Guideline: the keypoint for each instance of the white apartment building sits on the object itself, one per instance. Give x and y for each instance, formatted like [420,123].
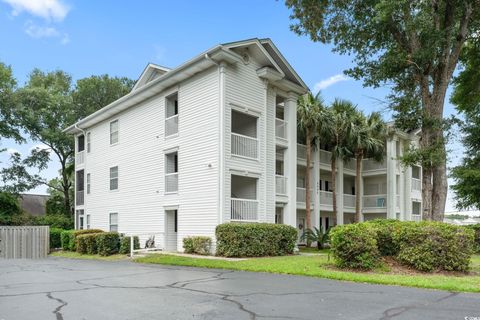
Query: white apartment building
[215,140]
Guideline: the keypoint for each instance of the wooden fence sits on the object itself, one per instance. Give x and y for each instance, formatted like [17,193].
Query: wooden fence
[24,242]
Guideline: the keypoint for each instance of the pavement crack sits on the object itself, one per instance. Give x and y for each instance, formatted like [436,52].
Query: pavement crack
[57,312]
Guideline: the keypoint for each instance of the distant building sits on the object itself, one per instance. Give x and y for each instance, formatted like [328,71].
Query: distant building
[34,204]
[471,217]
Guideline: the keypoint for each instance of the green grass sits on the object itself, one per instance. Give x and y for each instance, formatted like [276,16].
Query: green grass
[313,250]
[75,255]
[319,266]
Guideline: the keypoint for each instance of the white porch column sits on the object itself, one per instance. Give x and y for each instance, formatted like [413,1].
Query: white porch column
[339,192]
[407,194]
[315,178]
[391,180]
[401,186]
[359,193]
[290,209]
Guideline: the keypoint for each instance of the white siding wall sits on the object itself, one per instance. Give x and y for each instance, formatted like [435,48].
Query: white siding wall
[140,199]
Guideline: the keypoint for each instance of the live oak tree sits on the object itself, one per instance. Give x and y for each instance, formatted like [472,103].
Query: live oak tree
[47,104]
[411,45]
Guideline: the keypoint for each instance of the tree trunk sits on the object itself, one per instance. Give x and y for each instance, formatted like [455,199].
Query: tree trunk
[307,182]
[358,176]
[334,186]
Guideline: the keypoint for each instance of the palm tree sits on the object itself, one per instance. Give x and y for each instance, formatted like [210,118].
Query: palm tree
[337,133]
[309,115]
[367,141]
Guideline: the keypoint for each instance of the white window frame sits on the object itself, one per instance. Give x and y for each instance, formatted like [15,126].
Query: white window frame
[87,221]
[110,176]
[88,138]
[89,183]
[112,143]
[110,222]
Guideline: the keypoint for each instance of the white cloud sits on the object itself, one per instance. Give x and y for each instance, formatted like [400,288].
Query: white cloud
[329,82]
[38,32]
[47,9]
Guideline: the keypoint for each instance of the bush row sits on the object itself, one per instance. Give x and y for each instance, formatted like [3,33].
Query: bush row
[425,246]
[197,245]
[255,239]
[53,220]
[476,229]
[68,237]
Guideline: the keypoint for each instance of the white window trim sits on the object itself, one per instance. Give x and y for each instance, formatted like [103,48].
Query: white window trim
[87,221]
[110,221]
[110,178]
[89,142]
[110,132]
[88,183]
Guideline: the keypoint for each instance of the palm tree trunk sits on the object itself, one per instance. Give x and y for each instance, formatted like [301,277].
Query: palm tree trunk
[307,181]
[334,186]
[358,176]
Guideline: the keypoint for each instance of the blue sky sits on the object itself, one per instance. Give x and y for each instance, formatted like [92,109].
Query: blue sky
[120,37]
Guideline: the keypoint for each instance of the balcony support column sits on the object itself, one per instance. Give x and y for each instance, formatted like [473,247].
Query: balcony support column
[315,178]
[391,180]
[339,192]
[290,209]
[360,191]
[407,200]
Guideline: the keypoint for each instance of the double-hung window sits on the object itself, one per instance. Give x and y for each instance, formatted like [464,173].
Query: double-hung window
[114,132]
[114,221]
[88,142]
[114,178]
[88,183]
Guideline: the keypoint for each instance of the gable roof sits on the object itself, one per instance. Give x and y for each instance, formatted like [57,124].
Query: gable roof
[150,72]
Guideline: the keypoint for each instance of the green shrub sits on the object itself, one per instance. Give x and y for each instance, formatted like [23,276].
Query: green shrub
[66,239]
[108,243]
[429,246]
[476,229]
[385,229]
[197,245]
[54,221]
[87,243]
[55,238]
[355,246]
[255,239]
[125,244]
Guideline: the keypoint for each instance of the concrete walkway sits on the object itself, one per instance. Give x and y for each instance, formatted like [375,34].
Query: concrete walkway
[57,288]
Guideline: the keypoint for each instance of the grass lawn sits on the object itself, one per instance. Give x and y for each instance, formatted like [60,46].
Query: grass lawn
[75,255]
[313,250]
[319,266]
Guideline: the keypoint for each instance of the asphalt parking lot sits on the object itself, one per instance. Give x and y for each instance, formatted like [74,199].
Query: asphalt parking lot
[57,288]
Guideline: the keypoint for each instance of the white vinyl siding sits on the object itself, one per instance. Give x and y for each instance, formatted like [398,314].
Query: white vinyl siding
[88,221]
[89,142]
[88,183]
[113,221]
[114,132]
[114,178]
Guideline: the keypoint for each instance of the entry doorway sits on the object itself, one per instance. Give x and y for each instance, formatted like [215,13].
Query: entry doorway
[171,229]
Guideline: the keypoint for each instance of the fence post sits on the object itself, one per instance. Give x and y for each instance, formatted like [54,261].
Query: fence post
[131,246]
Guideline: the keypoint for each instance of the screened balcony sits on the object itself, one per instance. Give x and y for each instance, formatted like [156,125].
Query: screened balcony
[171,172]
[171,115]
[243,203]
[244,137]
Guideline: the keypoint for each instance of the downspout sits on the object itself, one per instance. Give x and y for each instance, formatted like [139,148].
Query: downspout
[221,138]
[75,185]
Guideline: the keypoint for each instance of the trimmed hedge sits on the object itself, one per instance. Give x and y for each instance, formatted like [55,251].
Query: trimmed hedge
[355,246]
[68,238]
[197,245]
[385,229]
[429,246]
[476,229]
[55,238]
[87,243]
[125,244]
[255,239]
[108,243]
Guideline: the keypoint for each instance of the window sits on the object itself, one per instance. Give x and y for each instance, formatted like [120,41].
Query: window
[171,172]
[171,114]
[79,181]
[88,142]
[175,217]
[88,221]
[114,132]
[88,183]
[114,178]
[80,143]
[114,221]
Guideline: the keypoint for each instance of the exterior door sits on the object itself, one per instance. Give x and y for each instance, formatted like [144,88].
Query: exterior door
[300,228]
[171,229]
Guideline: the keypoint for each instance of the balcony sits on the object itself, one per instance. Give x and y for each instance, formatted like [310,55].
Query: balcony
[350,165]
[301,151]
[375,201]
[302,195]
[244,209]
[326,198]
[325,157]
[171,125]
[416,217]
[80,157]
[80,198]
[397,201]
[171,182]
[244,146]
[372,165]
[349,200]
[280,128]
[280,185]
[416,184]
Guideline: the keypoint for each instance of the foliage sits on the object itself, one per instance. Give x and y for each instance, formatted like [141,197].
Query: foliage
[125,244]
[429,246]
[108,243]
[476,229]
[86,243]
[466,97]
[9,206]
[355,246]
[197,245]
[66,239]
[55,238]
[8,85]
[54,221]
[385,229]
[255,239]
[315,235]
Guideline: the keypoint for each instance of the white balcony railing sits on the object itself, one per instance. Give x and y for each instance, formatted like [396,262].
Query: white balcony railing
[351,164]
[244,209]
[370,164]
[301,151]
[349,200]
[80,198]
[80,157]
[325,157]
[397,201]
[416,184]
[171,125]
[281,184]
[326,198]
[244,146]
[281,128]
[375,201]
[302,195]
[416,217]
[171,182]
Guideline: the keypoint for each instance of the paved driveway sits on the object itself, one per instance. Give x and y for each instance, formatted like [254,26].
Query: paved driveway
[57,288]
